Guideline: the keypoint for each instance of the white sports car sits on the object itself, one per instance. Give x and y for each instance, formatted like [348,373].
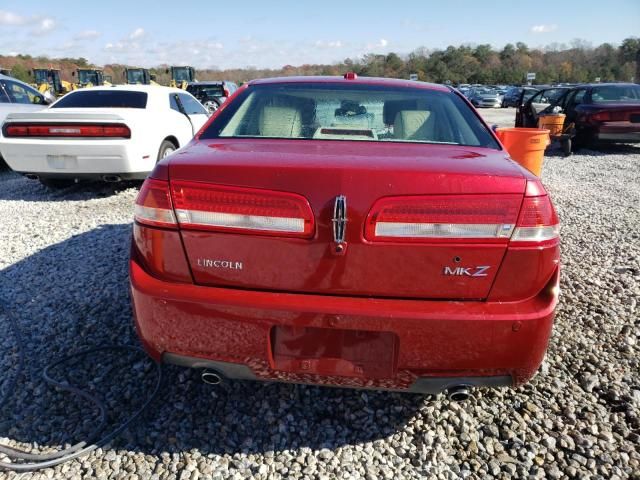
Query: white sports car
[101,133]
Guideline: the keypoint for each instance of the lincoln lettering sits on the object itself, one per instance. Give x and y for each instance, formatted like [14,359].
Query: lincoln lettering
[210,263]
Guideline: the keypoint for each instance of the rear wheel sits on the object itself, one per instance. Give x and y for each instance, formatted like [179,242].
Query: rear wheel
[212,105]
[166,148]
[566,146]
[56,183]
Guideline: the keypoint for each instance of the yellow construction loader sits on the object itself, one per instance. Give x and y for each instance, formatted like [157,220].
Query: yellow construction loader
[90,77]
[181,76]
[139,76]
[48,80]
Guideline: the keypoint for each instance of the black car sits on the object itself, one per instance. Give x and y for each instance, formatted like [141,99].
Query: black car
[595,113]
[212,94]
[514,94]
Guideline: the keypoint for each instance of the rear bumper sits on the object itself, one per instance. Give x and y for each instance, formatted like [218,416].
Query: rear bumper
[490,104]
[439,343]
[75,157]
[624,132]
[106,176]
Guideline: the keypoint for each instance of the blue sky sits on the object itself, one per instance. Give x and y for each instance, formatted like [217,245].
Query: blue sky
[272,33]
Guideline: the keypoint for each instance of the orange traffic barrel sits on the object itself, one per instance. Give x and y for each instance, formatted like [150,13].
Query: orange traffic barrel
[525,145]
[554,122]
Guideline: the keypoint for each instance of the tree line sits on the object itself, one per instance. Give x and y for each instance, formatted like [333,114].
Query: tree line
[556,63]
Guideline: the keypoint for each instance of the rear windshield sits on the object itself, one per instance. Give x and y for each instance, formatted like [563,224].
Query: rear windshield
[325,111]
[616,93]
[206,90]
[102,99]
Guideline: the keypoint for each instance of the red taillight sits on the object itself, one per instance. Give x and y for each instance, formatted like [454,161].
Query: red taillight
[153,205]
[538,221]
[443,217]
[68,130]
[242,210]
[601,117]
[226,92]
[156,241]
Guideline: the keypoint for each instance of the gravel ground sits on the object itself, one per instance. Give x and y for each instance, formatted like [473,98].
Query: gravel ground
[63,269]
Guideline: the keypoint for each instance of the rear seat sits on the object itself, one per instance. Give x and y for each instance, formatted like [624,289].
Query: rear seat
[284,122]
[414,125]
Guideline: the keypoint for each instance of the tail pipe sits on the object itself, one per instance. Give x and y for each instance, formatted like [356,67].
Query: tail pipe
[211,377]
[459,393]
[112,178]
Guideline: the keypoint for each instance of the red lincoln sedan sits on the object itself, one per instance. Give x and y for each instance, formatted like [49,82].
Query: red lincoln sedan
[346,231]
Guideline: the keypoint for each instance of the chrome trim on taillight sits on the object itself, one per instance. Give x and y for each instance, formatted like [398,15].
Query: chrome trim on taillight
[154,216]
[536,234]
[443,230]
[246,222]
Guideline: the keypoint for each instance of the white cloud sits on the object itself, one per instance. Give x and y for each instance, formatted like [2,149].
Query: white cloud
[382,43]
[40,24]
[45,25]
[10,18]
[137,33]
[329,44]
[87,35]
[544,28]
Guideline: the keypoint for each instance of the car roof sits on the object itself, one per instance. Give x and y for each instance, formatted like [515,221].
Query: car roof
[608,84]
[208,82]
[153,89]
[9,77]
[390,82]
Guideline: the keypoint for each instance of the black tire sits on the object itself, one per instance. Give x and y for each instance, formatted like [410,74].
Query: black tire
[566,147]
[581,140]
[57,183]
[167,147]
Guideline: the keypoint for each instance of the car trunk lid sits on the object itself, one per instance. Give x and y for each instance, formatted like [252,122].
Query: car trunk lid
[322,172]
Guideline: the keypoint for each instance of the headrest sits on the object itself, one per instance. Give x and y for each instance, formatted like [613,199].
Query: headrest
[280,122]
[411,124]
[392,107]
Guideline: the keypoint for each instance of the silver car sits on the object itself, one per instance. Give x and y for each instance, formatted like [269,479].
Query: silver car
[486,98]
[17,97]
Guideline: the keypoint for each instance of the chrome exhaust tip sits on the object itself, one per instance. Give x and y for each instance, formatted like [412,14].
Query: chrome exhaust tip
[459,393]
[210,377]
[112,178]
[31,176]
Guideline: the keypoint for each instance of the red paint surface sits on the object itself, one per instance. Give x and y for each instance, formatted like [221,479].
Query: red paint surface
[296,311]
[435,338]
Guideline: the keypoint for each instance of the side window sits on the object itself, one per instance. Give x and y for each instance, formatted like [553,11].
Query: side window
[537,98]
[191,105]
[19,94]
[579,97]
[3,96]
[172,102]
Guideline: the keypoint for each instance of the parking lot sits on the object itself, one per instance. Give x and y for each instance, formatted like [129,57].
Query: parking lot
[64,283]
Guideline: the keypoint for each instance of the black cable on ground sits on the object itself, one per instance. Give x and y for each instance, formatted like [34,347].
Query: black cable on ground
[36,461]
